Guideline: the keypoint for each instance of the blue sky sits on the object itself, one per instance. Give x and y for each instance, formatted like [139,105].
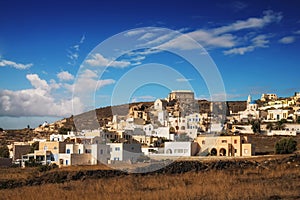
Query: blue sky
[45,46]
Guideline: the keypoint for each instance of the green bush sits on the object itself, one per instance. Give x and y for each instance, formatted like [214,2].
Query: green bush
[285,146]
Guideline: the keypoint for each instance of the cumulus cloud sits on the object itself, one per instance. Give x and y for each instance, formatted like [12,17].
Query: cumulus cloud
[287,40]
[38,83]
[87,82]
[99,60]
[37,101]
[65,76]
[9,63]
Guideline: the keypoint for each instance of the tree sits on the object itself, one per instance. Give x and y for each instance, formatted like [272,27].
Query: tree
[1,129]
[270,126]
[256,126]
[4,151]
[285,146]
[279,125]
[64,130]
[298,119]
[34,146]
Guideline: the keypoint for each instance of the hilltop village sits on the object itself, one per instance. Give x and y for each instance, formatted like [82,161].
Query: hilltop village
[177,126]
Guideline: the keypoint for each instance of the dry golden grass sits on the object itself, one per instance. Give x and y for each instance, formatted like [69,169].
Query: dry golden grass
[282,181]
[16,173]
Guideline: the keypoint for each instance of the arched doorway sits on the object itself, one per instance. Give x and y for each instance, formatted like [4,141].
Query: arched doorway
[222,152]
[169,151]
[213,152]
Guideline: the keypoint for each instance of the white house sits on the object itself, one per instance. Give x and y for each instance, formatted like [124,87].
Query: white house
[148,129]
[163,132]
[281,132]
[160,104]
[125,152]
[163,117]
[181,148]
[277,115]
[84,154]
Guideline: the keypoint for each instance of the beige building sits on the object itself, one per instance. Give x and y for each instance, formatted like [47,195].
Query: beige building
[186,96]
[267,97]
[225,145]
[277,115]
[48,153]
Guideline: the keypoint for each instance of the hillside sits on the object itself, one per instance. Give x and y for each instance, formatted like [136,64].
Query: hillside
[104,115]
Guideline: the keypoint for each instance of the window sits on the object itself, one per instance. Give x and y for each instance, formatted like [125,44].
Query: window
[203,141]
[117,148]
[68,151]
[178,151]
[101,151]
[245,151]
[116,158]
[235,141]
[224,141]
[235,150]
[88,151]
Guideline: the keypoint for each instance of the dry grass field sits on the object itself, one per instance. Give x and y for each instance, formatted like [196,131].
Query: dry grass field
[277,178]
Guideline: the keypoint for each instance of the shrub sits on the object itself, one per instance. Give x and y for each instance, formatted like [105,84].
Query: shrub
[47,167]
[4,151]
[285,146]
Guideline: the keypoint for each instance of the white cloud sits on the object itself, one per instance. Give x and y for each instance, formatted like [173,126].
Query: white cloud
[147,36]
[37,101]
[82,39]
[38,83]
[65,76]
[287,40]
[54,85]
[221,37]
[87,82]
[98,60]
[73,51]
[269,17]
[134,32]
[259,41]
[4,63]
[142,98]
[183,79]
[239,50]
[297,32]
